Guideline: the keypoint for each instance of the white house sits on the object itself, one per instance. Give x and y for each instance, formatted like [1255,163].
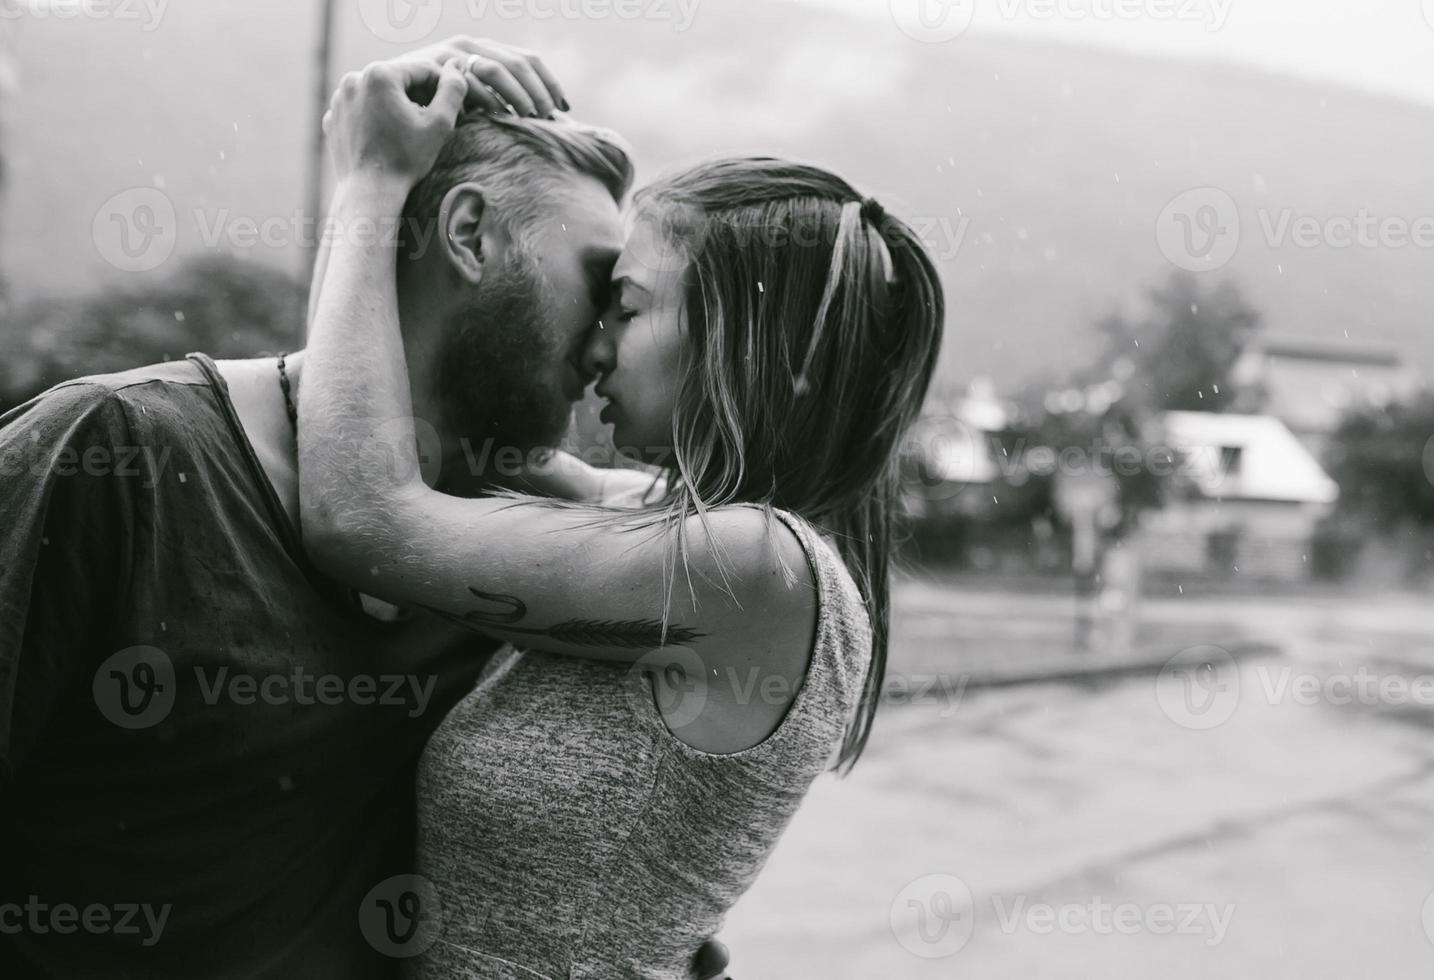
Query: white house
[1245,500]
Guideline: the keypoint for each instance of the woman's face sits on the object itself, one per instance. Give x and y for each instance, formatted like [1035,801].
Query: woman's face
[636,349]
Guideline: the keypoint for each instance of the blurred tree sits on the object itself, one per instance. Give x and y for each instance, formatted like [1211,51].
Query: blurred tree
[218,304]
[1179,354]
[1383,461]
[1091,440]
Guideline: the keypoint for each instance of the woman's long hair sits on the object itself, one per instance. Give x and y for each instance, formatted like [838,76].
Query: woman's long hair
[814,320]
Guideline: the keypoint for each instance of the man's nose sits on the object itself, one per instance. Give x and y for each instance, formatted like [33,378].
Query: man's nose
[598,350]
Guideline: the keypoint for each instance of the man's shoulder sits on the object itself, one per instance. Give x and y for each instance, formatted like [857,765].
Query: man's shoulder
[155,394]
[103,395]
[168,378]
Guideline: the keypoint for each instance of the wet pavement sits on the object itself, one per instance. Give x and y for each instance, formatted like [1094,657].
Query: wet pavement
[1266,818]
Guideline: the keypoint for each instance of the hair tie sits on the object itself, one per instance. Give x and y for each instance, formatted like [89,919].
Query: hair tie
[872,211]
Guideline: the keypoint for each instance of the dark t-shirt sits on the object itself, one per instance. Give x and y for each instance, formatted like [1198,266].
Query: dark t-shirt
[206,747]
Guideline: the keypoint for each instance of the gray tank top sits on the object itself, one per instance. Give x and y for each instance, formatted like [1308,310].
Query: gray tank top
[569,834]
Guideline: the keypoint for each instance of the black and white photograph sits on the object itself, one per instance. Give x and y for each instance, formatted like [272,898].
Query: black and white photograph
[716,489]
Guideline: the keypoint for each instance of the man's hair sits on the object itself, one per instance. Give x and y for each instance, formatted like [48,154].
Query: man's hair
[521,164]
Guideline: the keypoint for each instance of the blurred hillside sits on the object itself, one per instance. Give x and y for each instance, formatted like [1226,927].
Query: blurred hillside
[1057,159]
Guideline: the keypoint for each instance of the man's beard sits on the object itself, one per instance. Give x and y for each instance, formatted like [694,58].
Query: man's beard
[498,378]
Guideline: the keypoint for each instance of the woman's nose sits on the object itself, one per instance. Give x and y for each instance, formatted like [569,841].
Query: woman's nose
[598,350]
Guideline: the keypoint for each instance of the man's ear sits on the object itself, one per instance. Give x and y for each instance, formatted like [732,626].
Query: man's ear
[471,236]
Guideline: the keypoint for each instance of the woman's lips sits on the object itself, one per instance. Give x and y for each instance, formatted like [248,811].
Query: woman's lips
[610,408]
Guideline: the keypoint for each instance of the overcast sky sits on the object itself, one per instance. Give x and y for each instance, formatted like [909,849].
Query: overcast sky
[1384,45]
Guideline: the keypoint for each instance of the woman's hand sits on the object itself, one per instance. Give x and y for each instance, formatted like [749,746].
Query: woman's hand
[554,473]
[378,129]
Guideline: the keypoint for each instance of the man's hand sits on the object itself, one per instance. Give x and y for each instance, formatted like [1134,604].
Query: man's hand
[501,78]
[377,130]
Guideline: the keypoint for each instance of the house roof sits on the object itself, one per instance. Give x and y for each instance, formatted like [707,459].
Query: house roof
[1273,464]
[1311,384]
[1341,351]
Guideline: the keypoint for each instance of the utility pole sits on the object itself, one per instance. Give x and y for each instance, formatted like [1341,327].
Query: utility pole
[323,89]
[9,90]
